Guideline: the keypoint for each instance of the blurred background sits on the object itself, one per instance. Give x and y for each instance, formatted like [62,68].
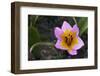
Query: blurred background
[41,37]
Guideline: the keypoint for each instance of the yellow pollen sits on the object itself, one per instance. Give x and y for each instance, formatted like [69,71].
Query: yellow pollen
[69,39]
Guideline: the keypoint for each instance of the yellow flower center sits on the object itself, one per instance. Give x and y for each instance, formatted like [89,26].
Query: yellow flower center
[69,39]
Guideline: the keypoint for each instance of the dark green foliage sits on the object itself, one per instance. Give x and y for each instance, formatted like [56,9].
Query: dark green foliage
[33,36]
[83,25]
[46,51]
[42,40]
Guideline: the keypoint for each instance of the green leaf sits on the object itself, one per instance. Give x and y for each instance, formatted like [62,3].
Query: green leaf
[32,20]
[43,50]
[46,51]
[83,25]
[33,36]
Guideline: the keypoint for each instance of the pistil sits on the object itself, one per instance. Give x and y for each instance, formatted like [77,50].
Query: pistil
[68,39]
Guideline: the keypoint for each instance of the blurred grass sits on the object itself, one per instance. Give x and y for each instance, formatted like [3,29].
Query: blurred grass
[83,25]
[33,36]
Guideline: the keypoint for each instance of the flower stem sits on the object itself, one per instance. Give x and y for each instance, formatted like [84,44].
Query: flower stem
[40,43]
[74,20]
[36,18]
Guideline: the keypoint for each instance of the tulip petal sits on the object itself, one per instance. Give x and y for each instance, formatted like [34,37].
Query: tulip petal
[79,45]
[58,32]
[66,26]
[72,52]
[57,45]
[75,29]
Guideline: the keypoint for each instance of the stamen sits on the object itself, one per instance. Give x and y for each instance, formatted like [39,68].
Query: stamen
[69,39]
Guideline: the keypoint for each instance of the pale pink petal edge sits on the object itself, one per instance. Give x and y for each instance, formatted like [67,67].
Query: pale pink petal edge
[58,32]
[79,45]
[66,26]
[58,46]
[75,29]
[73,52]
